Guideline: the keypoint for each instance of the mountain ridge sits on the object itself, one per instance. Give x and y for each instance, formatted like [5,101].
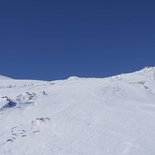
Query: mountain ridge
[143,70]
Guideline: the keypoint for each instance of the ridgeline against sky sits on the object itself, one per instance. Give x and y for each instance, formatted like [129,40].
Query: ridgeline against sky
[56,39]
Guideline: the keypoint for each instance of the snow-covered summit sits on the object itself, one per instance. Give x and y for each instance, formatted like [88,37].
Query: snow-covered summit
[147,74]
[79,116]
[147,70]
[73,78]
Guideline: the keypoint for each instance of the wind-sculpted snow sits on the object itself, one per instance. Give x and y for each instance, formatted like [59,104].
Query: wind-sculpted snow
[79,116]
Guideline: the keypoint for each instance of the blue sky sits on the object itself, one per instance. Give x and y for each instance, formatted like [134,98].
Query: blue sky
[46,39]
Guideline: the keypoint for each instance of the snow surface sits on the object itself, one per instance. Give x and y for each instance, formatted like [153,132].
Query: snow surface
[4,77]
[79,116]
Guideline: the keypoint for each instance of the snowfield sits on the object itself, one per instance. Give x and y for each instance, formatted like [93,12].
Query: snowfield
[79,116]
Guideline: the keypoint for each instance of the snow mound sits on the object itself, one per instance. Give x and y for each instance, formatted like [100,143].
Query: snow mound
[73,78]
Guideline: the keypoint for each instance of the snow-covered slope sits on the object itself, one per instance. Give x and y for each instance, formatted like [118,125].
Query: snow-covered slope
[4,77]
[79,116]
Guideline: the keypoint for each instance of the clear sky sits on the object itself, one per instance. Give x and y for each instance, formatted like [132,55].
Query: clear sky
[54,39]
